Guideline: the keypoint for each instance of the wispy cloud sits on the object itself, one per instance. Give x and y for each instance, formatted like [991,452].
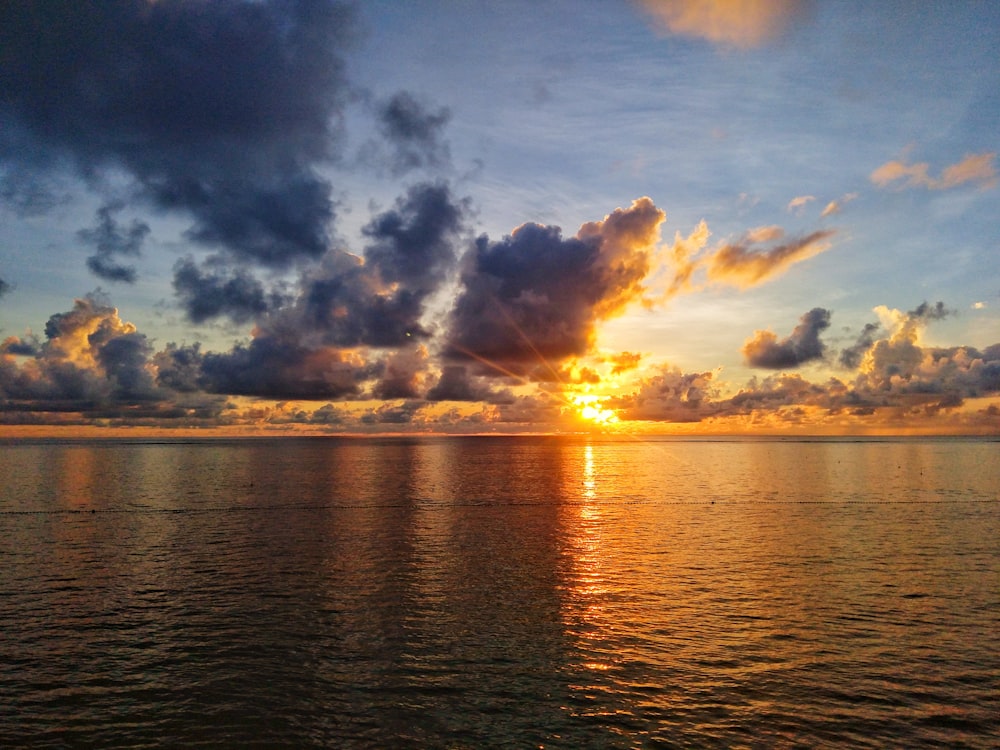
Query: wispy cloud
[799,202]
[836,206]
[977,169]
[742,264]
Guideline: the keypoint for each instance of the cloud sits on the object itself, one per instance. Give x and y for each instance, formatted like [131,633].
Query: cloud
[850,357]
[93,364]
[379,300]
[456,384]
[414,132]
[402,374]
[836,206]
[624,362]
[974,168]
[220,111]
[209,292]
[803,345]
[733,23]
[536,297]
[312,342]
[740,263]
[743,265]
[670,395]
[272,367]
[800,202]
[5,287]
[110,240]
[896,381]
[684,258]
[26,347]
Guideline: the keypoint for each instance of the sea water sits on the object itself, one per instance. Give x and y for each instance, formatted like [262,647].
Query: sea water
[500,592]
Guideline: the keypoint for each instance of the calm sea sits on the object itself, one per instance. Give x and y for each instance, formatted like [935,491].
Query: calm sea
[500,592]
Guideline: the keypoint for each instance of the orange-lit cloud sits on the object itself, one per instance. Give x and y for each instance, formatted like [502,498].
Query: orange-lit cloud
[742,264]
[978,169]
[535,297]
[836,206]
[733,23]
[896,382]
[799,202]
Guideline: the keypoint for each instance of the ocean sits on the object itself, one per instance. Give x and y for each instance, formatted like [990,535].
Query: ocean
[521,592]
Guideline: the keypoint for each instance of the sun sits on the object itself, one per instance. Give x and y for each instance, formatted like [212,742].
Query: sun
[589,408]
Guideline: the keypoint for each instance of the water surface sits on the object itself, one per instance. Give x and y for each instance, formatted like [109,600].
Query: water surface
[500,592]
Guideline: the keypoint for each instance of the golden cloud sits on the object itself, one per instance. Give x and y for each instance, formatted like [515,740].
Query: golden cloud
[734,23]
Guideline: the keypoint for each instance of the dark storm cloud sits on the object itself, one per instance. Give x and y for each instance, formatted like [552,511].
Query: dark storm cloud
[927,312]
[220,110]
[109,240]
[537,296]
[5,287]
[302,345]
[455,384]
[179,367]
[380,302]
[211,291]
[270,367]
[764,349]
[25,347]
[414,133]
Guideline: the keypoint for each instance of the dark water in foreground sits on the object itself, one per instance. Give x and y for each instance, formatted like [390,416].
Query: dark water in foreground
[517,592]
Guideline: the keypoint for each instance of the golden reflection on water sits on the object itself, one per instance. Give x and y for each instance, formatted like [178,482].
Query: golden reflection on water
[585,616]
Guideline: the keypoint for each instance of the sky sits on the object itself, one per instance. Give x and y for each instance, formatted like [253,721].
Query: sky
[661,216]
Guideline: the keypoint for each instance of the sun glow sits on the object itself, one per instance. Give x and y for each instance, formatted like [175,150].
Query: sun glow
[589,408]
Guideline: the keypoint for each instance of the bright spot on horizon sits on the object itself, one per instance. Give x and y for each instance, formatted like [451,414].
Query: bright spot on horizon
[589,408]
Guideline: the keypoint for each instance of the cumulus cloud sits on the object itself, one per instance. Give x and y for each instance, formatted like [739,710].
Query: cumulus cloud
[535,296]
[313,341]
[28,346]
[803,345]
[379,299]
[94,364]
[894,378]
[733,23]
[977,169]
[670,395]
